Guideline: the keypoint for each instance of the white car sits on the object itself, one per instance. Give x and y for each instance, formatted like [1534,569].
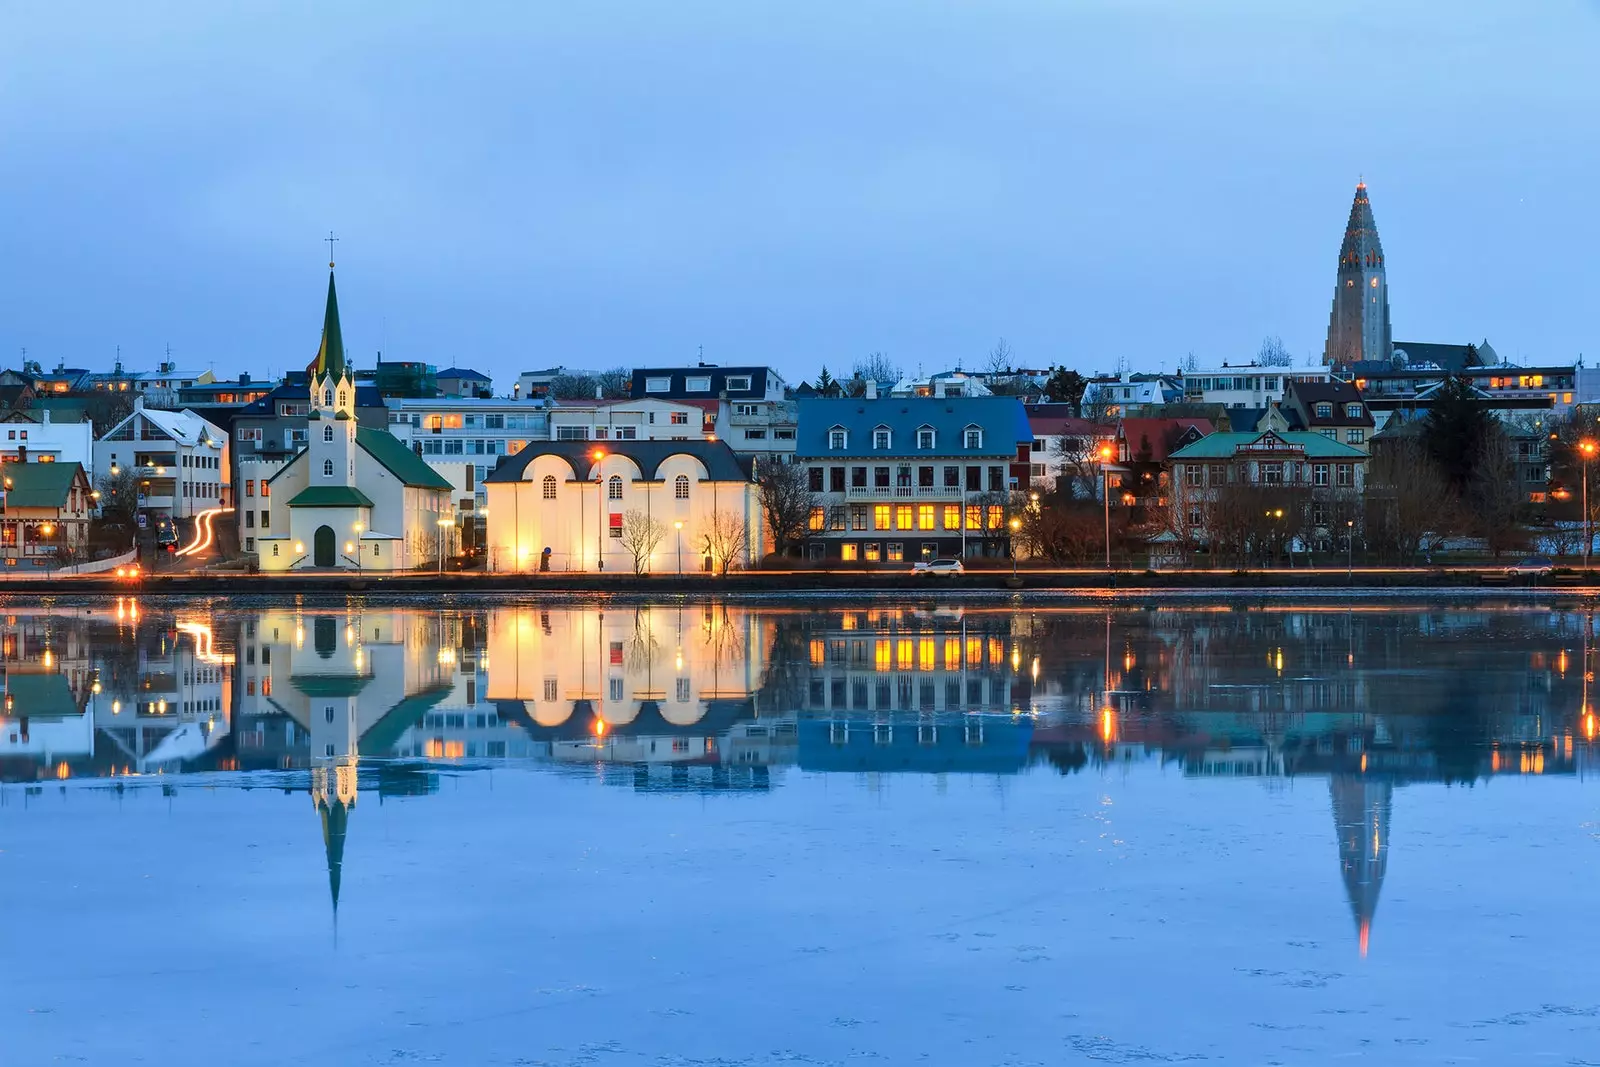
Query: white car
[944,567]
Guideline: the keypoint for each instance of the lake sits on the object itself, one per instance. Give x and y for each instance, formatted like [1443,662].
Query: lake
[815,831]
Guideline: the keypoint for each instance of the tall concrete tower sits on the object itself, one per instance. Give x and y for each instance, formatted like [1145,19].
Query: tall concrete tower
[1358,328]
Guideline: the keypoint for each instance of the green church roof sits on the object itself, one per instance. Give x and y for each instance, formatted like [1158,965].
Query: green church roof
[330,496]
[399,460]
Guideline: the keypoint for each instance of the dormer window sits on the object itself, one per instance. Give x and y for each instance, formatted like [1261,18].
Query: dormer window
[737,384]
[972,437]
[925,438]
[1352,411]
[837,438]
[1324,410]
[881,438]
[697,385]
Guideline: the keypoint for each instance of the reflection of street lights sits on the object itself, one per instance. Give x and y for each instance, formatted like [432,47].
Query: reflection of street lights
[678,526]
[1016,524]
[1105,494]
[1587,449]
[599,512]
[444,524]
[1349,550]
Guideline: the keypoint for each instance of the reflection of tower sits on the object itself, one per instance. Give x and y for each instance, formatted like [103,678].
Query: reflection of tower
[1361,819]
[334,739]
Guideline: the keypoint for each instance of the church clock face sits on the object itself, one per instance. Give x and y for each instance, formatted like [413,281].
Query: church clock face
[1374,283]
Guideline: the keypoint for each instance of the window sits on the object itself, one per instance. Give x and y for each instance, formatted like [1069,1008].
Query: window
[997,479]
[817,520]
[996,516]
[1374,283]
[614,487]
[847,552]
[250,520]
[680,418]
[837,438]
[1332,435]
[1324,410]
[858,516]
[1270,383]
[1352,411]
[952,516]
[697,385]
[881,438]
[755,435]
[1354,437]
[974,516]
[1346,475]
[972,437]
[745,409]
[880,477]
[836,479]
[571,433]
[902,517]
[924,516]
[925,438]
[814,479]
[327,468]
[548,487]
[783,435]
[327,433]
[881,516]
[952,477]
[858,477]
[1319,474]
[897,551]
[266,519]
[1269,473]
[249,487]
[1191,474]
[874,552]
[836,518]
[680,487]
[658,385]
[737,383]
[274,550]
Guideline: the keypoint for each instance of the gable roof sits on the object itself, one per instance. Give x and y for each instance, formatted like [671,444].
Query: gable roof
[720,461]
[330,496]
[1224,445]
[677,376]
[1003,420]
[1453,358]
[463,372]
[1336,392]
[40,485]
[399,460]
[1161,434]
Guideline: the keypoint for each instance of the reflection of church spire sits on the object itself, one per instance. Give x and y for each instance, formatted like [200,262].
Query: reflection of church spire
[1361,819]
[335,822]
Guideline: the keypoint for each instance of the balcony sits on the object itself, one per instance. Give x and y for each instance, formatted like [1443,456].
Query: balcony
[903,492]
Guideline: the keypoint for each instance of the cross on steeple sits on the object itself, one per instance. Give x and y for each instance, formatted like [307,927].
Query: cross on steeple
[331,238]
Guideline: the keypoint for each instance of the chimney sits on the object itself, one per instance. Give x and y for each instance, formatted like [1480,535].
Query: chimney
[44,416]
[244,377]
[598,392]
[872,389]
[938,388]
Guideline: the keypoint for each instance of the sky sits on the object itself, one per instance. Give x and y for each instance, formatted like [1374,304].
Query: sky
[529,184]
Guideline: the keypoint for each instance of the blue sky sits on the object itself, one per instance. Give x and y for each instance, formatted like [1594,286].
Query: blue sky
[526,184]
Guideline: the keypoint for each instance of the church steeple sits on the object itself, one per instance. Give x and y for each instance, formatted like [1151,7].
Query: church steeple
[1358,328]
[329,361]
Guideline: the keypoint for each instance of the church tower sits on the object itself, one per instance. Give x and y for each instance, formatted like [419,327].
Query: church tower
[331,429]
[1358,328]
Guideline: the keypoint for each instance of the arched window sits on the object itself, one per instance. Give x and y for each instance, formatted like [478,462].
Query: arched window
[614,487]
[680,487]
[327,433]
[549,486]
[327,397]
[327,468]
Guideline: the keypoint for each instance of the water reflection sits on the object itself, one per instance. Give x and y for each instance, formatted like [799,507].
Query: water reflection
[377,697]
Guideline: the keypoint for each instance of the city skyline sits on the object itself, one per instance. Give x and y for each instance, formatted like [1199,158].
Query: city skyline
[580,187]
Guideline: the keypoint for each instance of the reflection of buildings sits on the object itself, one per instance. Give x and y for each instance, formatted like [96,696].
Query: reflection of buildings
[1361,819]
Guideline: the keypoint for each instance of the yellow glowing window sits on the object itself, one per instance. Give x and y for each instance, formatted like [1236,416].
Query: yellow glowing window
[924,516]
[925,654]
[880,517]
[848,622]
[819,649]
[997,651]
[952,516]
[996,516]
[903,653]
[952,654]
[881,655]
[974,516]
[847,552]
[902,517]
[974,651]
[1566,398]
[874,552]
[1538,381]
[1374,283]
[818,519]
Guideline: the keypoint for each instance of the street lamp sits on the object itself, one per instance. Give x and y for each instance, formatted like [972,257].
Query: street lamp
[599,512]
[1016,524]
[678,526]
[1587,449]
[359,548]
[1105,495]
[444,524]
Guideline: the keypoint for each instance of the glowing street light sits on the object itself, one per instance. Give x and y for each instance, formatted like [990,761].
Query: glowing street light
[1016,525]
[1587,449]
[599,454]
[1106,452]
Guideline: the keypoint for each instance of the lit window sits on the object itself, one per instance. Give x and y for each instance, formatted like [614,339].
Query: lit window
[881,516]
[902,517]
[924,516]
[952,516]
[1374,283]
[818,519]
[847,552]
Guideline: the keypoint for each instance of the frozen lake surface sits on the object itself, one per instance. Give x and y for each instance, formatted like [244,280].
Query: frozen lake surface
[929,835]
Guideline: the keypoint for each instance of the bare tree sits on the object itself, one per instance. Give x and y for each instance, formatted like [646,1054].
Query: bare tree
[1190,363]
[1408,499]
[787,498]
[640,536]
[1272,353]
[1495,496]
[725,534]
[999,361]
[876,367]
[1098,400]
[615,383]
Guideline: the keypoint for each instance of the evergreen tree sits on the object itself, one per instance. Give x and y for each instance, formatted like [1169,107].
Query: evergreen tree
[1065,386]
[825,385]
[1458,431]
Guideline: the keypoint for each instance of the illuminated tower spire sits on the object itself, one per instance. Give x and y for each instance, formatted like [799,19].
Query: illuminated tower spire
[1358,327]
[1361,819]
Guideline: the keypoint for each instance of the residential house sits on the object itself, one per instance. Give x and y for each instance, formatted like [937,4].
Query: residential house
[44,509]
[1129,395]
[1247,385]
[464,382]
[1067,447]
[634,419]
[1332,407]
[536,384]
[178,458]
[903,479]
[706,381]
[36,437]
[1143,447]
[762,428]
[159,387]
[1327,479]
[565,505]
[944,383]
[1405,383]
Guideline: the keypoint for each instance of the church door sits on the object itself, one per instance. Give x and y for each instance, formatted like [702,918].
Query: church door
[322,547]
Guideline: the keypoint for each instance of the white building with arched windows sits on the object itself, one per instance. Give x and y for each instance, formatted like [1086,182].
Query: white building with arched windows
[678,506]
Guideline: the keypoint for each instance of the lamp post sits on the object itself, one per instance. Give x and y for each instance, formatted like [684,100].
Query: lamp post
[359,565]
[1016,524]
[1105,495]
[678,526]
[1587,449]
[599,512]
[444,524]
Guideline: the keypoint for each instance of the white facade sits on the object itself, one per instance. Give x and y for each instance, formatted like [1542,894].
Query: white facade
[467,430]
[763,428]
[1248,385]
[577,508]
[180,460]
[629,420]
[48,442]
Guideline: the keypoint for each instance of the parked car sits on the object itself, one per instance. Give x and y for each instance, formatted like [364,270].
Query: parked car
[938,567]
[1532,567]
